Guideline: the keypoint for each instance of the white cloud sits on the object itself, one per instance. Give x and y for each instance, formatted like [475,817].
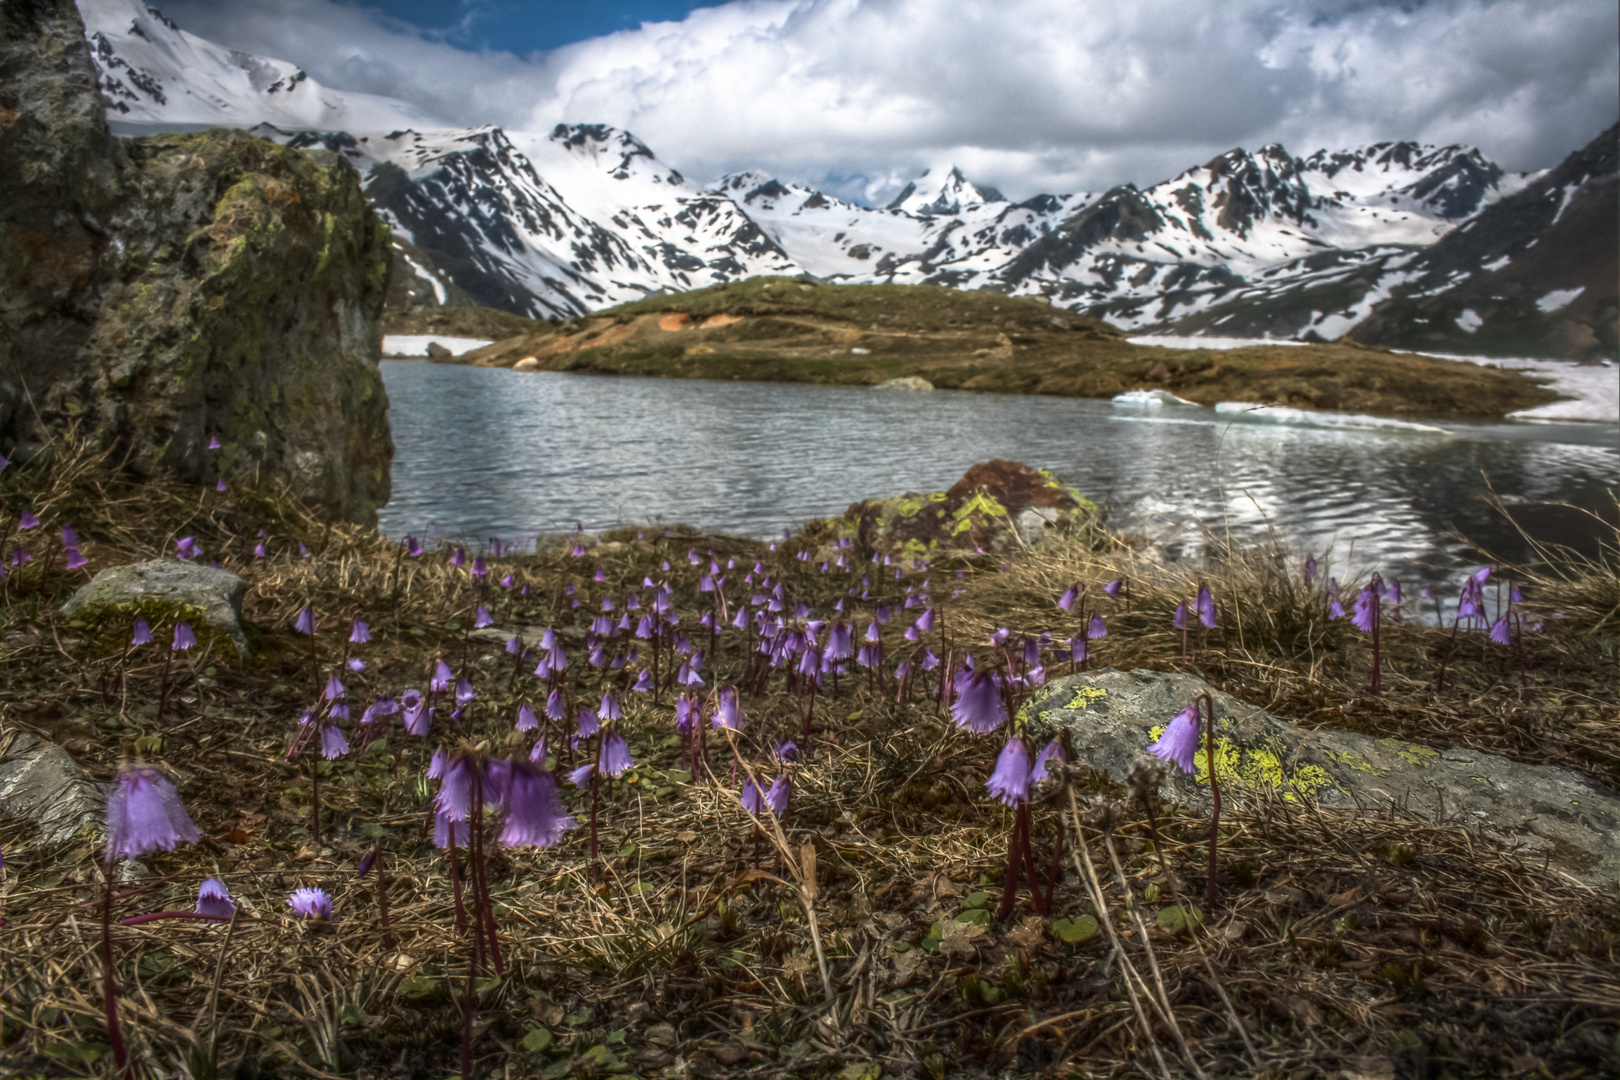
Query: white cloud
[1029,95]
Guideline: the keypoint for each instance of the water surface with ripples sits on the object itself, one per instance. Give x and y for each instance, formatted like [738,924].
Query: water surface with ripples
[483,452]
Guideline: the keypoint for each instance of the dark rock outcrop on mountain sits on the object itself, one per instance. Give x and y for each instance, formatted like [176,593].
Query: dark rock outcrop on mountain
[167,291]
[1533,275]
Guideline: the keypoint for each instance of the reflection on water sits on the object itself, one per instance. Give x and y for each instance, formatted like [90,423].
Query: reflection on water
[483,452]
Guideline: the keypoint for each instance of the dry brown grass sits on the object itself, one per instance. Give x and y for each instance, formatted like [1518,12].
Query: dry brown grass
[1359,947]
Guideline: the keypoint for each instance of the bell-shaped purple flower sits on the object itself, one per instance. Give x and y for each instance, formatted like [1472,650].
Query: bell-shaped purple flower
[334,689]
[333,744]
[588,724]
[1009,782]
[305,622]
[752,799]
[446,829]
[183,637]
[1366,612]
[978,706]
[1113,587]
[1500,632]
[311,904]
[1310,569]
[214,900]
[526,720]
[556,705]
[1051,751]
[213,444]
[142,634]
[465,694]
[1180,619]
[534,811]
[359,633]
[416,714]
[778,794]
[186,548]
[481,618]
[1070,597]
[1206,608]
[609,709]
[728,711]
[615,755]
[1180,740]
[144,813]
[442,678]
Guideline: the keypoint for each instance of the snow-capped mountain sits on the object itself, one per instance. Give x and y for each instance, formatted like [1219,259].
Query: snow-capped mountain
[564,222]
[153,72]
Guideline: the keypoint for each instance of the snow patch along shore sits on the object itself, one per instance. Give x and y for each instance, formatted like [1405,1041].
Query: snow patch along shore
[1593,389]
[1148,399]
[417,344]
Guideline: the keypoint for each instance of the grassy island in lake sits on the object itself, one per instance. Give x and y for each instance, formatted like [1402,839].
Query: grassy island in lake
[777,329]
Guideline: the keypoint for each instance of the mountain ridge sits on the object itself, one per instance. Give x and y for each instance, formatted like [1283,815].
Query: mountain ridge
[586,216]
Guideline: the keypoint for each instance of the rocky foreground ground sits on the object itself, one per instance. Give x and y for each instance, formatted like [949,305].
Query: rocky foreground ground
[864,925]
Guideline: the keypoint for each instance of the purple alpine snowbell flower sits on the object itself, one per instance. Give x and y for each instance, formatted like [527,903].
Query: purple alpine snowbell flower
[183,637]
[187,548]
[728,711]
[1310,569]
[1180,740]
[305,622]
[144,813]
[1206,608]
[359,633]
[752,799]
[74,559]
[143,633]
[615,755]
[534,811]
[1051,750]
[1097,629]
[214,900]
[1366,611]
[442,678]
[778,794]
[1113,587]
[1009,783]
[526,720]
[1070,597]
[417,715]
[978,706]
[312,904]
[213,444]
[1180,620]
[1500,632]
[333,744]
[481,618]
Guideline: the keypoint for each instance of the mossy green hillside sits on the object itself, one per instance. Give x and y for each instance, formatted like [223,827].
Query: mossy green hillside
[789,330]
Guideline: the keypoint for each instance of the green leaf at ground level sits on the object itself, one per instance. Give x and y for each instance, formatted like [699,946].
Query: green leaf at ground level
[1075,931]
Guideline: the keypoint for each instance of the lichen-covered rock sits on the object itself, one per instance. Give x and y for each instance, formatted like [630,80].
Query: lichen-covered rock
[171,290]
[186,590]
[995,504]
[905,382]
[1547,813]
[40,782]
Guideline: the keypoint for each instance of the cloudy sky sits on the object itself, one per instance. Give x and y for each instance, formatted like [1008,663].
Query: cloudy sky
[857,96]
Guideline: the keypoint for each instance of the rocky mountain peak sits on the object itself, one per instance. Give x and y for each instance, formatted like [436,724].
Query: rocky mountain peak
[951,194]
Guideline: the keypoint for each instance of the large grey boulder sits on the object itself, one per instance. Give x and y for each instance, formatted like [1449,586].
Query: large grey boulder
[165,292]
[40,782]
[215,594]
[1547,814]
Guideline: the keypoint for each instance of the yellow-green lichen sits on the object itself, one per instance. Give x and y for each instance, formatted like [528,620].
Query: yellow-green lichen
[1085,695]
[1257,767]
[1351,760]
[1411,753]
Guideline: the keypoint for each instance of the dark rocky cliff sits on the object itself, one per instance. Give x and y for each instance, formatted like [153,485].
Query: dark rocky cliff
[161,292]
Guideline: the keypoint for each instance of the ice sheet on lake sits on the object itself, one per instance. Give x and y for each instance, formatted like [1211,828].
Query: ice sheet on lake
[1149,399]
[1252,413]
[417,344]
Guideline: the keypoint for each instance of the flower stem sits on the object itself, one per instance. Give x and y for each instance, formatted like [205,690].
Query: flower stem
[109,990]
